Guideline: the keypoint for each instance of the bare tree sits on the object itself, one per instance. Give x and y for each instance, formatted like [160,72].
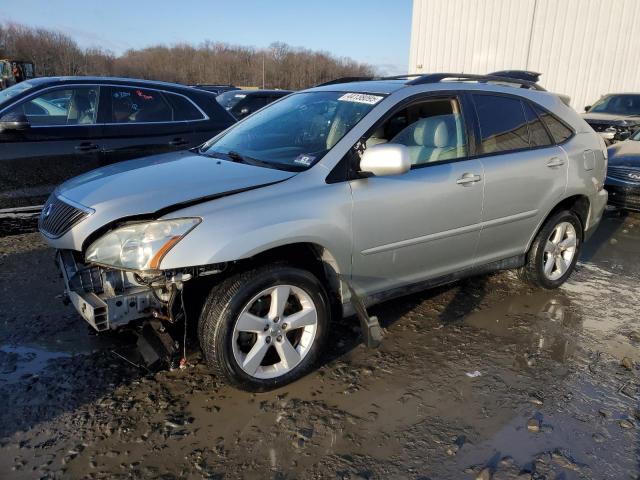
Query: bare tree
[280,65]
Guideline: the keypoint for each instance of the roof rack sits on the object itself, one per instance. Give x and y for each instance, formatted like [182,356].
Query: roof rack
[438,77]
[520,74]
[523,78]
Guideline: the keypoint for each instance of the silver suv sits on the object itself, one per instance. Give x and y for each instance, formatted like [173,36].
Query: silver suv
[323,203]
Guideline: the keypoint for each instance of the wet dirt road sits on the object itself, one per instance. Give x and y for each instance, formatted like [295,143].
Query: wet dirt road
[486,378]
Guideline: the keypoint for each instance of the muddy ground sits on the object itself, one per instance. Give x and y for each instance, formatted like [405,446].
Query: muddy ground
[486,378]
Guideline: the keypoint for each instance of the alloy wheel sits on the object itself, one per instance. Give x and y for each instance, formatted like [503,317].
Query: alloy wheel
[560,250]
[275,331]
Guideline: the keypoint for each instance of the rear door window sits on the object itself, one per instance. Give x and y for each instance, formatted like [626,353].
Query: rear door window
[139,105]
[559,131]
[503,126]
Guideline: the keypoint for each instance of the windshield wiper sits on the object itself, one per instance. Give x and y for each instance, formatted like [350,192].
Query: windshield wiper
[238,157]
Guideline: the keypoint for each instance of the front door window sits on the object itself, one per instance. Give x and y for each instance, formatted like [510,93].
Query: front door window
[67,106]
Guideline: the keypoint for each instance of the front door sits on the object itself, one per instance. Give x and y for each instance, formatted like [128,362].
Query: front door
[61,142]
[423,224]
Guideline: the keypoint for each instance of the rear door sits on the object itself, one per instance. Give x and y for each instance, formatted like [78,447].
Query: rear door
[63,140]
[142,121]
[525,174]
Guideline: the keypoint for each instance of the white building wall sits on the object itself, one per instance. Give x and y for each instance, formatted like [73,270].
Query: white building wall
[583,48]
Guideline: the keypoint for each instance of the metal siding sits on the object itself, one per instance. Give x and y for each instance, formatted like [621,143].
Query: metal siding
[583,48]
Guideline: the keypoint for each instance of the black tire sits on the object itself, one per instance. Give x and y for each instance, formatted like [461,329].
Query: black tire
[225,303]
[533,270]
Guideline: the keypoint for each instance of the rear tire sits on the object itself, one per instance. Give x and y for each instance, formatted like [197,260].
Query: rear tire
[263,328]
[554,252]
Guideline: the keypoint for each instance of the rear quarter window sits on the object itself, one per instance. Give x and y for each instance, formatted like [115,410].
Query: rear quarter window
[538,136]
[183,108]
[559,131]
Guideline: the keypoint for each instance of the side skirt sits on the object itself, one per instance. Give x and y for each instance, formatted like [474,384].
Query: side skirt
[505,264]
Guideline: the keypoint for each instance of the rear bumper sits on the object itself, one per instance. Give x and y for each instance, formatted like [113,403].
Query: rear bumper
[598,204]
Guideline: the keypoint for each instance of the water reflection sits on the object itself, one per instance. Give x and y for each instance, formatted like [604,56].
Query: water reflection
[541,323]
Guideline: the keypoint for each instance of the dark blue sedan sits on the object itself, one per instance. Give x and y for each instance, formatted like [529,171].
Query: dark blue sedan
[623,174]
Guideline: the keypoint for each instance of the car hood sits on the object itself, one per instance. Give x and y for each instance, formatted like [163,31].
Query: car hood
[625,153]
[161,182]
[610,118]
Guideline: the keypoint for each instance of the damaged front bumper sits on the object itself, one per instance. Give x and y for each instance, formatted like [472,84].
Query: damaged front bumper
[106,298]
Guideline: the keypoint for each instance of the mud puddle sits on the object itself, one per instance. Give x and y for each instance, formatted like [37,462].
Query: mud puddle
[486,378]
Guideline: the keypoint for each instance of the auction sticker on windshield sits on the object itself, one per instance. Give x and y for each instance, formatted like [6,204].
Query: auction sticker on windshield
[304,159]
[361,98]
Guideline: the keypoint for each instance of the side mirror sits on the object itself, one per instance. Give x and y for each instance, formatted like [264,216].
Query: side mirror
[587,108]
[14,121]
[385,159]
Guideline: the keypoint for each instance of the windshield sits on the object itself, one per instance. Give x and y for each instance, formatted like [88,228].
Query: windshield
[14,90]
[295,132]
[230,99]
[618,104]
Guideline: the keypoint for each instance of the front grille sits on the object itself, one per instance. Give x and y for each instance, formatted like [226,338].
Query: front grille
[622,173]
[624,197]
[57,217]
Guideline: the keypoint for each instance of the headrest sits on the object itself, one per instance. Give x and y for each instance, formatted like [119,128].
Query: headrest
[81,103]
[438,131]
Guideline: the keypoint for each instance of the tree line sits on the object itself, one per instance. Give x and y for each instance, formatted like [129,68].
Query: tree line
[278,66]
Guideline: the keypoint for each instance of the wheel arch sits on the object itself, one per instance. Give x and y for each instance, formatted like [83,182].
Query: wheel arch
[309,256]
[579,204]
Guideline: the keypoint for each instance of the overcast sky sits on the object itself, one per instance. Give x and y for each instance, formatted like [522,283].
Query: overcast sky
[371,31]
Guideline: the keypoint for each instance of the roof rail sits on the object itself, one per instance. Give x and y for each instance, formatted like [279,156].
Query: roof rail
[344,80]
[438,77]
[366,79]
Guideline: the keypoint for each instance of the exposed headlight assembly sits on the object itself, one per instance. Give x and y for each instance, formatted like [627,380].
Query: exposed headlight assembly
[139,246]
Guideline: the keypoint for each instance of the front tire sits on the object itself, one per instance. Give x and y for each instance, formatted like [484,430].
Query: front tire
[555,251]
[263,328]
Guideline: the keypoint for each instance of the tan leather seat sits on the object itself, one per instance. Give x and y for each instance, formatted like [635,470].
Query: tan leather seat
[376,138]
[430,139]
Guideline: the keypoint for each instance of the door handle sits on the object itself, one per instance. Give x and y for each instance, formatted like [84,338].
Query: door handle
[468,179]
[87,147]
[555,162]
[178,142]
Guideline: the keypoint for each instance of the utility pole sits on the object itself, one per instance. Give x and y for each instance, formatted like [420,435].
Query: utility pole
[263,55]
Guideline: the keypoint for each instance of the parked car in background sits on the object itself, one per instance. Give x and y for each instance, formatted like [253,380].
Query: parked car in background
[217,89]
[52,129]
[615,116]
[241,103]
[623,174]
[15,71]
[327,201]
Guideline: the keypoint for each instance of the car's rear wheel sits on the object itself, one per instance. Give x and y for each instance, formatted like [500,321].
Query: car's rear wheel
[263,328]
[555,251]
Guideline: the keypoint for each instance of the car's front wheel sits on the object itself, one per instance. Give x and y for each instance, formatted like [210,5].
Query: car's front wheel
[263,328]
[555,251]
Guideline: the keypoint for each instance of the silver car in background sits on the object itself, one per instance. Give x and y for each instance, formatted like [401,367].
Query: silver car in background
[325,202]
